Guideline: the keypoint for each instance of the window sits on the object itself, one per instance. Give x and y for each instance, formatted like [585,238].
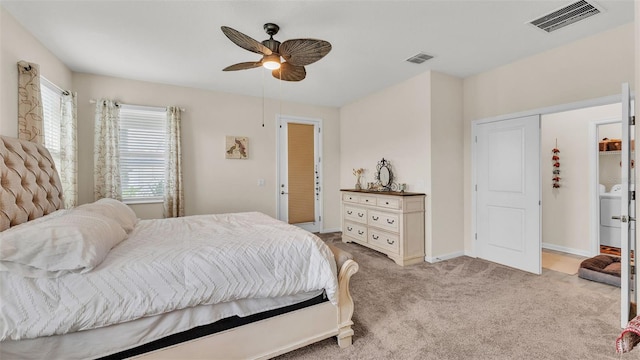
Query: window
[52,116]
[143,153]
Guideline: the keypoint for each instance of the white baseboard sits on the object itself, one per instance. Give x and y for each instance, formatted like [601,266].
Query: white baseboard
[330,230]
[585,253]
[436,259]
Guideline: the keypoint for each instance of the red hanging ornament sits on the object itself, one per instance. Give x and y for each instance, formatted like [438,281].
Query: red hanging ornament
[556,164]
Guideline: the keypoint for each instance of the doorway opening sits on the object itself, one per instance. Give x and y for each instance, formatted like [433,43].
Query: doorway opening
[567,209]
[300,172]
[554,235]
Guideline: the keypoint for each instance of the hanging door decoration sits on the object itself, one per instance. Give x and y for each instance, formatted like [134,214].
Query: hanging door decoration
[556,166]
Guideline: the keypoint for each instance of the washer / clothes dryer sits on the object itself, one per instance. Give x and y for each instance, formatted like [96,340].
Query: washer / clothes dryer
[609,207]
[609,228]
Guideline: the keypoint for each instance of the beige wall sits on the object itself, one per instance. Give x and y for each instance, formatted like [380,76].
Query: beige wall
[393,124]
[213,184]
[566,216]
[586,69]
[417,125]
[447,202]
[17,44]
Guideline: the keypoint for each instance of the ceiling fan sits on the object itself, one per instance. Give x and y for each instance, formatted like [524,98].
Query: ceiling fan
[297,53]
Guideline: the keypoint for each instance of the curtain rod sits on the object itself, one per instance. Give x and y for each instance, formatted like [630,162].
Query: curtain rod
[61,90]
[117,103]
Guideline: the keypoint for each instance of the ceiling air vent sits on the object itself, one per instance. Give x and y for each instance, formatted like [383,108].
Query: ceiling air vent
[567,15]
[419,58]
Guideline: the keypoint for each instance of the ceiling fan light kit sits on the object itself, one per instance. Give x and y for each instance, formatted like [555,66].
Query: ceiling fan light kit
[271,62]
[286,60]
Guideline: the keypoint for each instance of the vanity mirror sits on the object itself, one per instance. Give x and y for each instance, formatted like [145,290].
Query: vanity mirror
[384,175]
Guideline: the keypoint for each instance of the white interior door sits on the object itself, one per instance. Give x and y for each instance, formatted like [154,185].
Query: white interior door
[628,299]
[508,192]
[300,172]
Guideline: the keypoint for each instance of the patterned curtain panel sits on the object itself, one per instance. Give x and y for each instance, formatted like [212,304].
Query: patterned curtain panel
[30,126]
[69,149]
[173,189]
[106,156]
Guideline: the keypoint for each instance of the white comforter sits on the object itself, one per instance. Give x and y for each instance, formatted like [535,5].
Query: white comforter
[171,264]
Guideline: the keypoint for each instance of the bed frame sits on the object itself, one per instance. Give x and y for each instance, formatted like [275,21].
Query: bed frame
[30,188]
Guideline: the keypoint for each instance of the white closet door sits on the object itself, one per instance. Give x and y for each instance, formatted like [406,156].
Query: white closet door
[628,298]
[508,193]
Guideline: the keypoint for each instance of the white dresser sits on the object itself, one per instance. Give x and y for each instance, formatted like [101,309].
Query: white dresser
[389,222]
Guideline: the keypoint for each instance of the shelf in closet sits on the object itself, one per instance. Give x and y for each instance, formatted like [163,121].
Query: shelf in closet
[613,152]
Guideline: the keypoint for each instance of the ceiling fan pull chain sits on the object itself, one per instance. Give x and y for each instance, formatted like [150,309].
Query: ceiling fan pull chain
[263,111]
[280,90]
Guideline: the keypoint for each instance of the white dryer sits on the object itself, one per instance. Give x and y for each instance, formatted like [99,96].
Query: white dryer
[609,207]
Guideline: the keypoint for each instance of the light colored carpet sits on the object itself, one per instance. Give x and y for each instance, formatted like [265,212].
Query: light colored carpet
[567,264]
[467,308]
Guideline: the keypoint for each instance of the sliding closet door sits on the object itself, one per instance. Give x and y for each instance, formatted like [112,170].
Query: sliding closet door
[507,169]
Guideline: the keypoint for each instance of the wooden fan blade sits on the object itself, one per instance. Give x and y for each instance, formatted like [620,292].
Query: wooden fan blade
[289,72]
[303,52]
[245,41]
[243,66]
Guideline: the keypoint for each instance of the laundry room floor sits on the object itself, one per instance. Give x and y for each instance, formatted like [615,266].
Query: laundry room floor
[561,262]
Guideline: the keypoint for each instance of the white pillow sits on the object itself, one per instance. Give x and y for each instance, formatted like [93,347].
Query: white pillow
[113,209]
[76,241]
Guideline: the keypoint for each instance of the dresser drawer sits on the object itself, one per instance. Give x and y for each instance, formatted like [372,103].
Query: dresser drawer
[350,198]
[390,203]
[384,220]
[368,200]
[355,231]
[356,214]
[384,240]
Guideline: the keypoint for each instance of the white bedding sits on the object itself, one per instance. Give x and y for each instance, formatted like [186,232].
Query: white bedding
[171,264]
[90,344]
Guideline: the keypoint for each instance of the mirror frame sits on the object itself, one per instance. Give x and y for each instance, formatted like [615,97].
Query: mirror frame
[386,165]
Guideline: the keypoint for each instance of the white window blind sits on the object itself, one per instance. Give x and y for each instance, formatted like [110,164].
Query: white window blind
[143,150]
[52,116]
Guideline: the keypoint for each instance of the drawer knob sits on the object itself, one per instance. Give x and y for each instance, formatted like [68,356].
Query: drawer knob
[390,222]
[360,215]
[390,242]
[375,237]
[349,228]
[360,232]
[386,202]
[375,218]
[366,200]
[349,212]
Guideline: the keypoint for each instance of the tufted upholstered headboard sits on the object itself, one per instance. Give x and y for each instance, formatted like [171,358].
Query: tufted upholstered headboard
[29,183]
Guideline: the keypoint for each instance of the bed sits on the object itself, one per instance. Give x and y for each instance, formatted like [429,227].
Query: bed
[138,283]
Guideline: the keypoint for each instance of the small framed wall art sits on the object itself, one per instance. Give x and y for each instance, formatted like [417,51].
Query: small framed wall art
[237,147]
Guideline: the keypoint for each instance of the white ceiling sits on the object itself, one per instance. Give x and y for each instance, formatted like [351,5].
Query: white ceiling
[180,42]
